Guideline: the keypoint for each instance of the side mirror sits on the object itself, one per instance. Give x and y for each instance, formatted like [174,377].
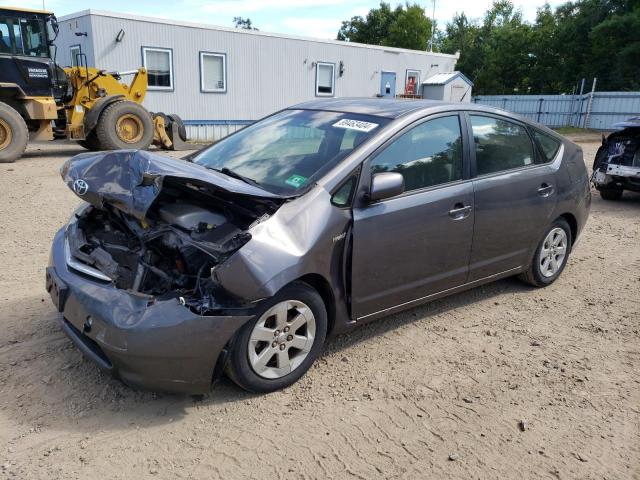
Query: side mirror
[386,185]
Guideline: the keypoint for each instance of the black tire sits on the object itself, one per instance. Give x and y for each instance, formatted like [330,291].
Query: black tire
[534,275]
[14,130]
[107,134]
[182,130]
[611,192]
[90,142]
[239,368]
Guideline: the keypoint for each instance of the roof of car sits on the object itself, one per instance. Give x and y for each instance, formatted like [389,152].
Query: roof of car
[381,107]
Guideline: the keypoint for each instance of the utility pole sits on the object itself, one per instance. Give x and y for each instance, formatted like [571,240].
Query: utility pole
[579,109]
[433,24]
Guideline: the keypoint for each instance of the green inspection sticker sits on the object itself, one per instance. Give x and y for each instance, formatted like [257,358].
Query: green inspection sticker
[296,181]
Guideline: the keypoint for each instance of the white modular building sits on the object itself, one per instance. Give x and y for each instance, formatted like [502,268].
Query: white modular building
[219,79]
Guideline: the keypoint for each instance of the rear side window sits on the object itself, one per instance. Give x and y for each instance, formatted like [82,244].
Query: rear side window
[427,155]
[500,145]
[549,145]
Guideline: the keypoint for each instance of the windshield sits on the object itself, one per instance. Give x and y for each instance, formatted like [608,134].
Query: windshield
[291,149]
[21,36]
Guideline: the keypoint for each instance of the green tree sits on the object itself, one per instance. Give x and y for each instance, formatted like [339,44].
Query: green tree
[404,27]
[372,30]
[243,23]
[410,29]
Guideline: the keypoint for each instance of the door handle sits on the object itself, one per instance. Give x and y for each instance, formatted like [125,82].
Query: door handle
[460,211]
[545,190]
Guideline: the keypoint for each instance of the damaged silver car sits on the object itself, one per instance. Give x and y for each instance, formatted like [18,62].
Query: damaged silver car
[308,223]
[616,167]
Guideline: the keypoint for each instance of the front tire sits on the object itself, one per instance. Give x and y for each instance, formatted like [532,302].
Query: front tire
[611,192]
[14,134]
[551,256]
[91,142]
[124,125]
[280,344]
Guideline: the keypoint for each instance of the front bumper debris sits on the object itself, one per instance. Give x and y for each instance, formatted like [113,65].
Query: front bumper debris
[147,342]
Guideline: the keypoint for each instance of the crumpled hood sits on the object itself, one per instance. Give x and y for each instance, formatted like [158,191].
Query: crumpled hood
[131,180]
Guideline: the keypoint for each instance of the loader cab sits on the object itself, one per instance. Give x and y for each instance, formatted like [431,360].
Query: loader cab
[25,59]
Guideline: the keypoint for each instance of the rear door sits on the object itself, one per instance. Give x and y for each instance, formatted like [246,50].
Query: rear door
[514,196]
[417,243]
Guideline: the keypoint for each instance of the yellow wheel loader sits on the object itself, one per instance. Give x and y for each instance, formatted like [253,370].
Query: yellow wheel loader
[41,101]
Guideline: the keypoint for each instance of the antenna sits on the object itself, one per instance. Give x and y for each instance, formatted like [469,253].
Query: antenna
[433,24]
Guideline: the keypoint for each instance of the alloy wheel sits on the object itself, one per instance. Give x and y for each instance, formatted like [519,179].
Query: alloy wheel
[281,339]
[553,252]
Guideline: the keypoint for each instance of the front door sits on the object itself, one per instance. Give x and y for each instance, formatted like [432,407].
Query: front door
[388,84]
[514,198]
[418,243]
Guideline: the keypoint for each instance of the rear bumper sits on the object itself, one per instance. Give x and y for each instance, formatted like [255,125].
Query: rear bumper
[148,343]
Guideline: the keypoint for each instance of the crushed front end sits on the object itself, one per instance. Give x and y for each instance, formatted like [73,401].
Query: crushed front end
[132,271]
[617,164]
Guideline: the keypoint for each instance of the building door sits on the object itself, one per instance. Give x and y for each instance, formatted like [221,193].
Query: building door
[388,84]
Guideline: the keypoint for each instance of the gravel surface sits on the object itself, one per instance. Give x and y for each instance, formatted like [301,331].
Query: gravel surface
[503,381]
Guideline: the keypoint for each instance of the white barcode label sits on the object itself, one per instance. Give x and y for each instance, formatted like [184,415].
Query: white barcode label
[355,125]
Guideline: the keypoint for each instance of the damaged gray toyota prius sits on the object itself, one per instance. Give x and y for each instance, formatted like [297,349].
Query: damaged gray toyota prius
[314,220]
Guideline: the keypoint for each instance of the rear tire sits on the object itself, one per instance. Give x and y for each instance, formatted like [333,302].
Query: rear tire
[14,134]
[280,344]
[124,125]
[551,255]
[611,192]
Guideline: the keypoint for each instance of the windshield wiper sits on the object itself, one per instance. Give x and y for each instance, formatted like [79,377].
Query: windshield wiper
[230,173]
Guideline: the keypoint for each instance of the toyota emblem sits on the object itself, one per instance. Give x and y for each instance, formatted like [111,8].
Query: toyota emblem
[80,186]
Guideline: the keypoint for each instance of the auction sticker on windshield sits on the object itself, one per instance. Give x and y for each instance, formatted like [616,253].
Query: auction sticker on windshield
[355,125]
[296,181]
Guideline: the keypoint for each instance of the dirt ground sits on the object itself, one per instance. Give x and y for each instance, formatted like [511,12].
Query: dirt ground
[435,392]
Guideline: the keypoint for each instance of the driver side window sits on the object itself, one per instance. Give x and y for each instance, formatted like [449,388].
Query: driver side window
[427,155]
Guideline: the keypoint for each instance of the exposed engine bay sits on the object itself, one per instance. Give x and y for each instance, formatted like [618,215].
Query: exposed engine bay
[617,163]
[163,242]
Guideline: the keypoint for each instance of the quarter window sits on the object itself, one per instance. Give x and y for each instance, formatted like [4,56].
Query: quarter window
[427,155]
[159,65]
[343,196]
[325,79]
[549,145]
[213,72]
[500,145]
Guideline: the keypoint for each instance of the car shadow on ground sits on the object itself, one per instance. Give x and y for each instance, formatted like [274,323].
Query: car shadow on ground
[46,380]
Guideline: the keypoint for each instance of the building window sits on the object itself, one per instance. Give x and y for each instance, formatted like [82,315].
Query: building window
[159,65]
[213,72]
[75,59]
[325,79]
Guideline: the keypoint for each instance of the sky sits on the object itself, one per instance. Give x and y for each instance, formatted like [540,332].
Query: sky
[309,18]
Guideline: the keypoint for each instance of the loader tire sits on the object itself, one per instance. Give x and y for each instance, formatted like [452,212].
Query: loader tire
[182,130]
[90,142]
[124,125]
[14,134]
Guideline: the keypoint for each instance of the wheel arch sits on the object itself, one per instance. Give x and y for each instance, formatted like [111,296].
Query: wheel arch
[322,286]
[573,225]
